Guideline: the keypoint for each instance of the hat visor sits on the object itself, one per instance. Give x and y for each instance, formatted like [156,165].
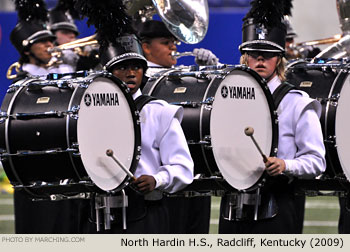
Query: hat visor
[120,59]
[261,45]
[43,36]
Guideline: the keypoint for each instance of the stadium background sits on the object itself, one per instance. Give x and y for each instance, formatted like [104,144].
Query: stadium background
[312,19]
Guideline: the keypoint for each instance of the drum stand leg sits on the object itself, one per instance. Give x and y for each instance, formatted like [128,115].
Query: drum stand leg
[105,203]
[107,213]
[124,205]
[237,201]
[256,207]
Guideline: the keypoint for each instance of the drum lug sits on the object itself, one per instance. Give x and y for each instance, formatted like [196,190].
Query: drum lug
[206,141]
[275,150]
[220,76]
[75,146]
[331,140]
[3,117]
[334,104]
[334,99]
[73,113]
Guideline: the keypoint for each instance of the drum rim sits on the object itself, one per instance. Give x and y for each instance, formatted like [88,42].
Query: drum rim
[274,120]
[136,122]
[331,111]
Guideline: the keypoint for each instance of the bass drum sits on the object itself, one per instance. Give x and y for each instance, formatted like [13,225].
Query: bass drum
[330,84]
[218,106]
[54,134]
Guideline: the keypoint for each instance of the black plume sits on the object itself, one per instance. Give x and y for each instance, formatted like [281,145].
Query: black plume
[288,7]
[68,5]
[108,17]
[31,10]
[267,12]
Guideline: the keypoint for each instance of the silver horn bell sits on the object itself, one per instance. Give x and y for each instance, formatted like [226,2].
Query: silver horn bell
[187,20]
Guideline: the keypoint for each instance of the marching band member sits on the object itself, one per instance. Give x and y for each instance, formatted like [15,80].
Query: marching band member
[158,44]
[61,24]
[165,164]
[301,152]
[187,215]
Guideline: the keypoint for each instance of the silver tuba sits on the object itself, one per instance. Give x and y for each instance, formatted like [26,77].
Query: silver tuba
[188,20]
[341,48]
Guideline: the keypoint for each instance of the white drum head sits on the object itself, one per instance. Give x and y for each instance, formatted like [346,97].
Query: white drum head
[105,122]
[240,102]
[342,126]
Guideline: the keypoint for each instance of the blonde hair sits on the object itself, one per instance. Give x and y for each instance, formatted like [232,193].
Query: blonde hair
[280,66]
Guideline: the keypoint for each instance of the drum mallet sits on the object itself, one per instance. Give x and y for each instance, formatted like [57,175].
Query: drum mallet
[109,153]
[249,131]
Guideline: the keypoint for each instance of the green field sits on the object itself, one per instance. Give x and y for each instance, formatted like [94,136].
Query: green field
[321,215]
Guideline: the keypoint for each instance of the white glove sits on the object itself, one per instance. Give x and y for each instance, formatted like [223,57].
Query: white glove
[69,57]
[204,57]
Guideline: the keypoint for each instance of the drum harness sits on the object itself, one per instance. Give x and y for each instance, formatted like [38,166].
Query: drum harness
[105,203]
[237,200]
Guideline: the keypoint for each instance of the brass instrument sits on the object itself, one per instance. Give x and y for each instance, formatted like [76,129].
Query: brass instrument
[325,41]
[340,49]
[75,45]
[187,20]
[9,74]
[299,50]
[177,55]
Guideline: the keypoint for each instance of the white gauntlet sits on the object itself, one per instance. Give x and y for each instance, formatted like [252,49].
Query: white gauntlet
[204,57]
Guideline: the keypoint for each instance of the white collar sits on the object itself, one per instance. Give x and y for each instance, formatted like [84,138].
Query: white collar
[152,64]
[273,84]
[137,94]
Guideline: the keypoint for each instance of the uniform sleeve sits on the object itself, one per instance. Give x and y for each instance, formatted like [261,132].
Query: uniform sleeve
[309,160]
[176,170]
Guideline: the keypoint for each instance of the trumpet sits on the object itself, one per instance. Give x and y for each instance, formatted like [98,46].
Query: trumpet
[325,41]
[76,45]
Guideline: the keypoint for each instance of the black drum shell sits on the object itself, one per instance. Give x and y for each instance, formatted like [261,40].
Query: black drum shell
[43,173]
[39,134]
[322,82]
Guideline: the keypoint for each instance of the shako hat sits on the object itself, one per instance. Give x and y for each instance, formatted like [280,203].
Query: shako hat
[31,26]
[61,18]
[126,47]
[263,29]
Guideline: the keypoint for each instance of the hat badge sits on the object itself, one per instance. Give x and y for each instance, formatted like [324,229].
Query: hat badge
[261,32]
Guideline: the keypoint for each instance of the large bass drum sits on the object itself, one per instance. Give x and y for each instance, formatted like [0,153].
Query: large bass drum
[54,134]
[218,105]
[330,84]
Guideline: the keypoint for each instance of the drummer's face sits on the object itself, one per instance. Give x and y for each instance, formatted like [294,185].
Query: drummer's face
[263,63]
[130,72]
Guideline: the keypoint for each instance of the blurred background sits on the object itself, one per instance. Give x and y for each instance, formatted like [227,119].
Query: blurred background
[311,19]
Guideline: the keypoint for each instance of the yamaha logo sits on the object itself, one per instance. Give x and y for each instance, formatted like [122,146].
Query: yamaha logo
[237,92]
[224,91]
[101,99]
[87,100]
